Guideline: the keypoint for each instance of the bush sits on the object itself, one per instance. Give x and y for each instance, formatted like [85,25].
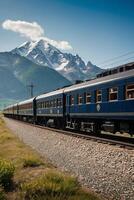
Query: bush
[31,162]
[50,186]
[2,194]
[6,173]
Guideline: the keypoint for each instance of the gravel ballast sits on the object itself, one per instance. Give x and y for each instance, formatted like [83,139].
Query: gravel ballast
[107,169]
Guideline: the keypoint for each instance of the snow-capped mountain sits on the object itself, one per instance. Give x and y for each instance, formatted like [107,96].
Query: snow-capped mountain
[70,66]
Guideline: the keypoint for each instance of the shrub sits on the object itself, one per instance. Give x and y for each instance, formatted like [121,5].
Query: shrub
[31,162]
[50,186]
[6,173]
[2,194]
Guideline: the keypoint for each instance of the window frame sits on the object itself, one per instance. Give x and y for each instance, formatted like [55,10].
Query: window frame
[88,95]
[97,95]
[126,90]
[80,99]
[109,93]
[70,100]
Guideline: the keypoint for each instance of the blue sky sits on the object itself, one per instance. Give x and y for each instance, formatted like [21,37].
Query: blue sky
[97,30]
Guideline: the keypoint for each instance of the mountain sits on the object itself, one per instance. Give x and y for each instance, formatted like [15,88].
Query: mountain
[70,66]
[16,72]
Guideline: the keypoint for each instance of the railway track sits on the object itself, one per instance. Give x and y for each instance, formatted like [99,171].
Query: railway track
[122,142]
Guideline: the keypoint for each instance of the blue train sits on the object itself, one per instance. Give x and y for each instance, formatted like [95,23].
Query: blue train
[104,103]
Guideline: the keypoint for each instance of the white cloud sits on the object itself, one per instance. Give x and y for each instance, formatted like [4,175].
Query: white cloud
[63,45]
[26,29]
[33,31]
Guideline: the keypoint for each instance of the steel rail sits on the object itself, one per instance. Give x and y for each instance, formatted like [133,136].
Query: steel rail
[123,142]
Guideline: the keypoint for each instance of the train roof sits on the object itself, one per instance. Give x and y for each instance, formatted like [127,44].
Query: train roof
[10,106]
[55,92]
[26,101]
[115,70]
[100,80]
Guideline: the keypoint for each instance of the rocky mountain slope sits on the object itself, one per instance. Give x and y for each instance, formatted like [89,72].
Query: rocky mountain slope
[70,66]
[16,72]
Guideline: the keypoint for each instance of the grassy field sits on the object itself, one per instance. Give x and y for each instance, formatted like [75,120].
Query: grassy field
[24,175]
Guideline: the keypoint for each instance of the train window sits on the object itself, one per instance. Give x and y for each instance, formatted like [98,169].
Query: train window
[88,97]
[46,104]
[79,99]
[54,103]
[51,103]
[113,94]
[59,102]
[114,71]
[121,69]
[98,96]
[42,105]
[71,100]
[130,91]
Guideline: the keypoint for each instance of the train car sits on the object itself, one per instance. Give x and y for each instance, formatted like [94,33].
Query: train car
[50,108]
[26,110]
[103,103]
[8,111]
[15,110]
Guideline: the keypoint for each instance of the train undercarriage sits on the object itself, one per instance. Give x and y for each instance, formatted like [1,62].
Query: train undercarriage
[97,126]
[94,126]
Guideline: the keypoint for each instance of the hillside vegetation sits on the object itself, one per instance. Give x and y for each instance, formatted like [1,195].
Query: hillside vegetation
[17,72]
[24,175]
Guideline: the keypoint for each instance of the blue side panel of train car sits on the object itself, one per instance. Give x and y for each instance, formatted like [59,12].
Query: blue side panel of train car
[121,108]
[50,106]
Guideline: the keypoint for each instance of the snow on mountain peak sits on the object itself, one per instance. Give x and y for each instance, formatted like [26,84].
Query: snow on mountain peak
[43,53]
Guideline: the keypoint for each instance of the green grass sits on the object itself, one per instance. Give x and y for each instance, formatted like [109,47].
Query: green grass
[32,161]
[6,173]
[51,184]
[2,194]
[54,186]
[33,177]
